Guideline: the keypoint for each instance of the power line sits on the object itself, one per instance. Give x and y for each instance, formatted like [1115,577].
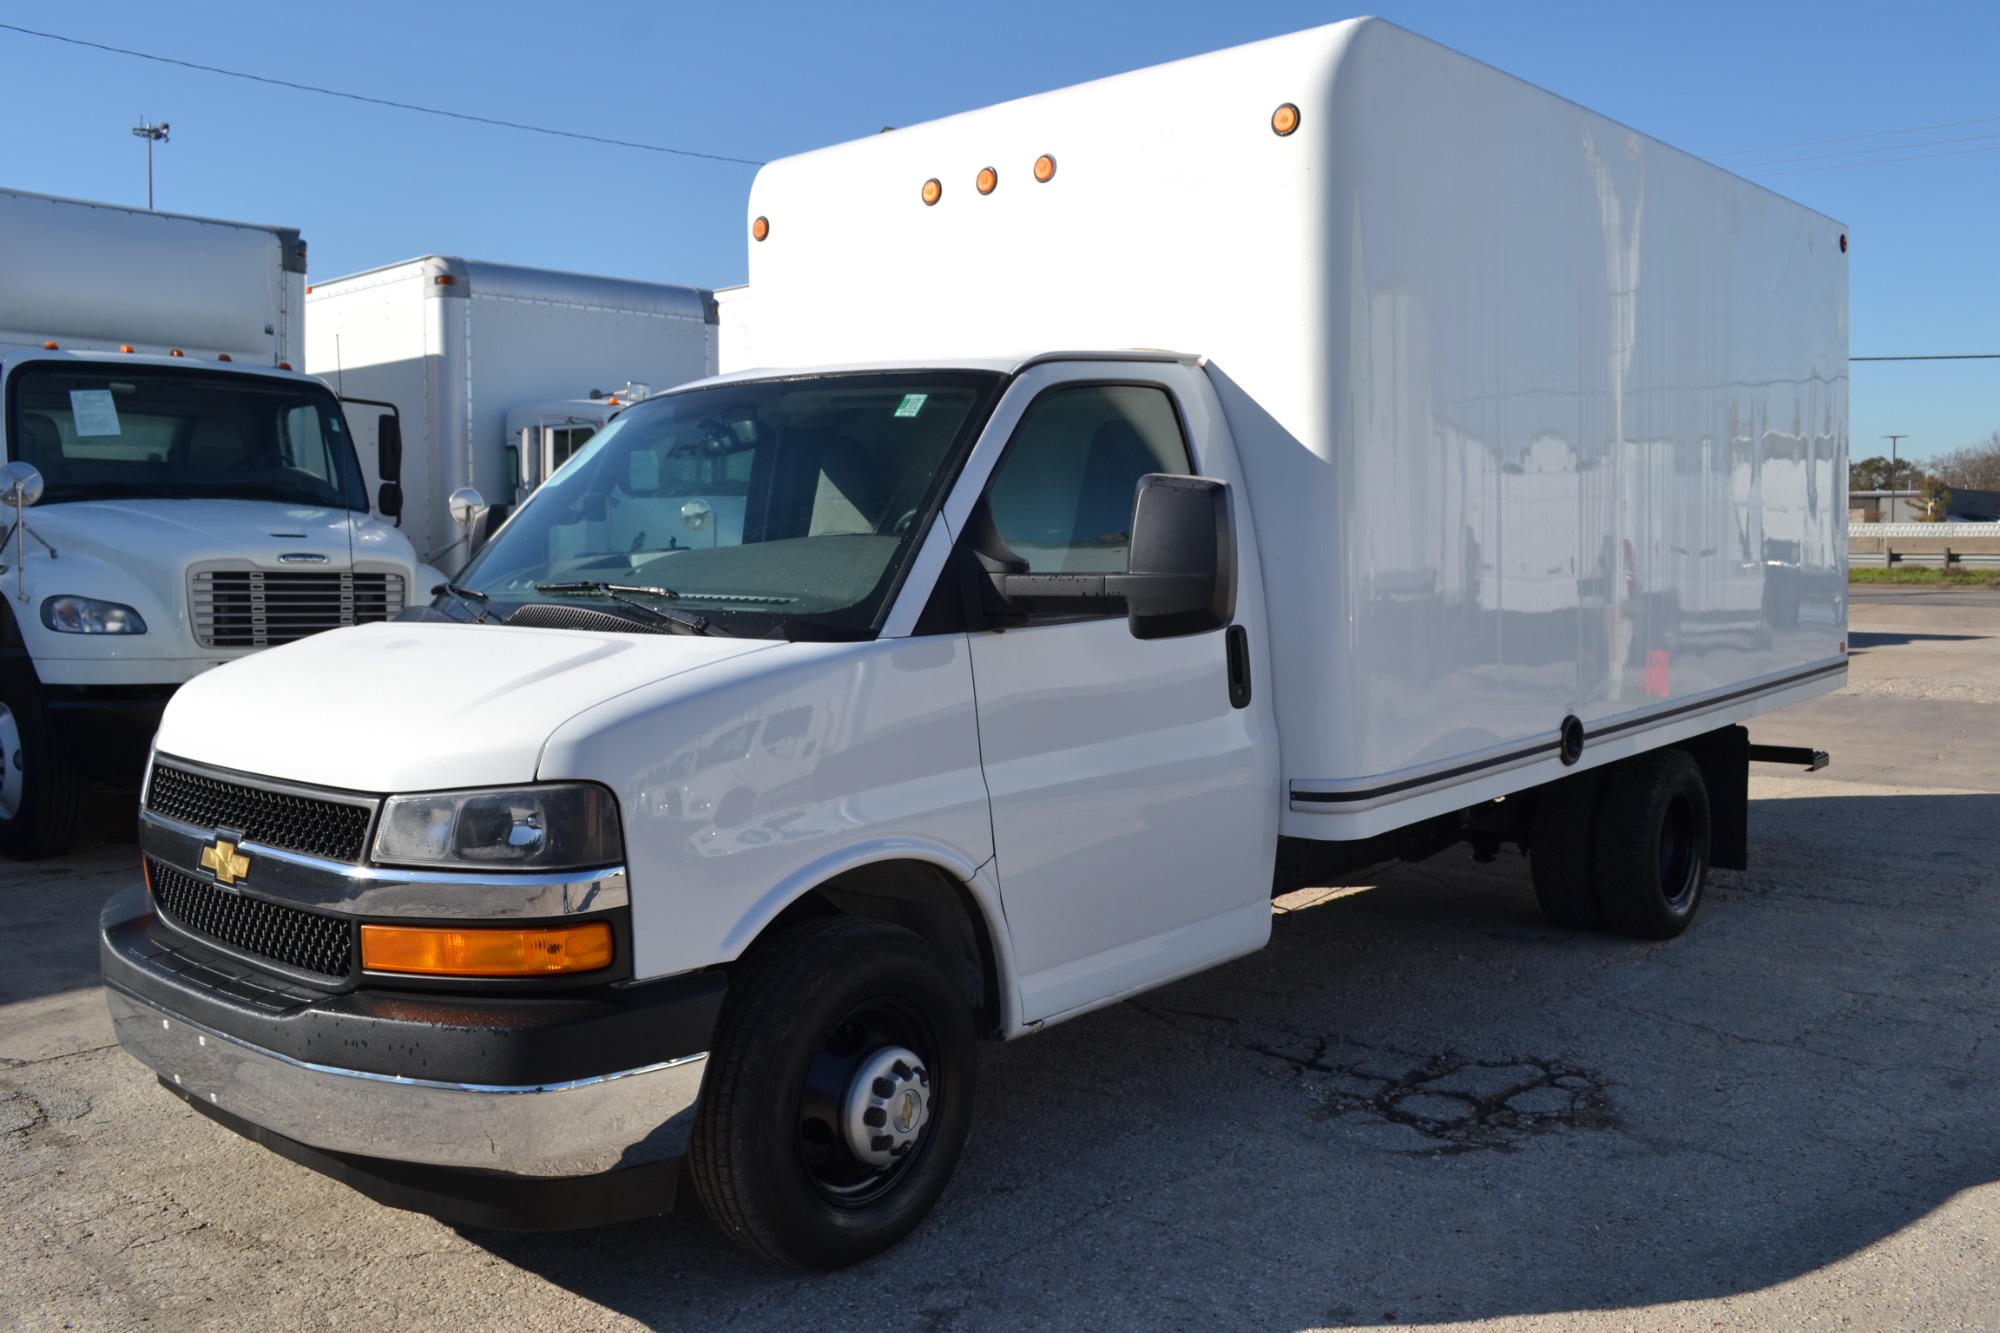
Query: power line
[1753,174]
[1865,152]
[1850,138]
[1948,356]
[378,101]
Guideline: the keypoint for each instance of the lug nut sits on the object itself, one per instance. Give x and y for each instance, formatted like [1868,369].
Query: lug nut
[874,1117]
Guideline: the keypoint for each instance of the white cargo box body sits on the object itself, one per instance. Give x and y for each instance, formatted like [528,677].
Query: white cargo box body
[96,277]
[457,343]
[1540,417]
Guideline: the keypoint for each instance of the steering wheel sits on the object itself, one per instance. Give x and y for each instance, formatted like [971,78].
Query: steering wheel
[258,462]
[905,523]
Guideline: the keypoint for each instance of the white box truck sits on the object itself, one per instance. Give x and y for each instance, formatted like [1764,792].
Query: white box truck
[193,498]
[459,344]
[1025,665]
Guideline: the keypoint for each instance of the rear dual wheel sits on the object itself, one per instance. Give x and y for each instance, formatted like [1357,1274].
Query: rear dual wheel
[1625,847]
[838,1095]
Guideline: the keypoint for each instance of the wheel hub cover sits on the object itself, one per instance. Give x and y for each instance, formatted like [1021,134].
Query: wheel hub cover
[888,1103]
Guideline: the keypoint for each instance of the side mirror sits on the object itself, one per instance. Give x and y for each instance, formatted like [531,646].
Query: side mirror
[389,500]
[389,450]
[20,484]
[466,505]
[1181,575]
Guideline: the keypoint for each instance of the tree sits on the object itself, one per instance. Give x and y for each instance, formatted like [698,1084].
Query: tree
[1935,497]
[1872,474]
[1974,469]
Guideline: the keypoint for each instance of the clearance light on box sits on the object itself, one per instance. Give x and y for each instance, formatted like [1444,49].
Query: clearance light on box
[439,951]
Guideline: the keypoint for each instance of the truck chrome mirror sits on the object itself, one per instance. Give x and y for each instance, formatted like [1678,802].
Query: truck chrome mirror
[466,505]
[20,484]
[1181,575]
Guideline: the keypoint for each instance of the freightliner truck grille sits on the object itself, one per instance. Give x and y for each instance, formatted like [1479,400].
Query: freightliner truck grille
[236,606]
[304,940]
[332,829]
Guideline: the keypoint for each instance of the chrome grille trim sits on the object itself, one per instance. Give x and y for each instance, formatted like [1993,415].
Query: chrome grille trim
[236,604]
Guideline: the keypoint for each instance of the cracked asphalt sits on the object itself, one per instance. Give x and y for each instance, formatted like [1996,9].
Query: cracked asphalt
[1420,1106]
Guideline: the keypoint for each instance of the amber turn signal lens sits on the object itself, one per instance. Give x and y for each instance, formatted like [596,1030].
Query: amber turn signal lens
[760,229]
[933,190]
[1285,119]
[440,951]
[1045,168]
[986,180]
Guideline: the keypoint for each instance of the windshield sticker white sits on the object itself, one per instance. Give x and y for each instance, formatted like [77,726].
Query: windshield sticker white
[94,412]
[912,404]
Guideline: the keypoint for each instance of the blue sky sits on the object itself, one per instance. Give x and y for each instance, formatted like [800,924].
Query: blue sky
[369,185]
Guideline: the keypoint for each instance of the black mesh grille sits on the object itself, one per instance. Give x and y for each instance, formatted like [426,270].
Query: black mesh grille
[548,615]
[304,940]
[331,829]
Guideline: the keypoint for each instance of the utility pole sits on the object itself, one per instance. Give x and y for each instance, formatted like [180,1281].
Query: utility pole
[1893,440]
[152,134]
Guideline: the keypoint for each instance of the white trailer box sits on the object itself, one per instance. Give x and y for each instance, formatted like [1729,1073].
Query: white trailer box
[1539,416]
[457,344]
[971,666]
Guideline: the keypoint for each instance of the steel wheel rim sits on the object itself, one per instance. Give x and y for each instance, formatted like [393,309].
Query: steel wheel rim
[13,772]
[839,1176]
[1680,856]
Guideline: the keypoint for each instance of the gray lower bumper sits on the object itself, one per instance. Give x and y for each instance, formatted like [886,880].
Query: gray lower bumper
[577,1128]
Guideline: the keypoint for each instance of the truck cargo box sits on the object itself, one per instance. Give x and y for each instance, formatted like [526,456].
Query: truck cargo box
[1542,419]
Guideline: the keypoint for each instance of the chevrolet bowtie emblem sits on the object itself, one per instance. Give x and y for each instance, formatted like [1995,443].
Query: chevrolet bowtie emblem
[228,864]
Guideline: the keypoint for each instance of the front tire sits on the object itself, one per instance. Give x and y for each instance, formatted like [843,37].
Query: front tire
[40,788]
[838,1094]
[1651,855]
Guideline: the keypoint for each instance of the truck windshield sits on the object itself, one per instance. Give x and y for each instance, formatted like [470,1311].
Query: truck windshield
[103,432]
[774,507]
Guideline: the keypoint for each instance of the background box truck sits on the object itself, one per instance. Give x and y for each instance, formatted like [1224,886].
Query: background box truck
[1017,681]
[193,498]
[458,344]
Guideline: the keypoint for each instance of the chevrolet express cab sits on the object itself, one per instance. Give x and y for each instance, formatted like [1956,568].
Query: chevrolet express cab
[814,723]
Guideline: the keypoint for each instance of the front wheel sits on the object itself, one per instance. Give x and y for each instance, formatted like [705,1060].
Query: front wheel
[838,1095]
[40,788]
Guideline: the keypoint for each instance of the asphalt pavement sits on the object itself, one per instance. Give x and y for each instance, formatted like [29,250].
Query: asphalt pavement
[1420,1105]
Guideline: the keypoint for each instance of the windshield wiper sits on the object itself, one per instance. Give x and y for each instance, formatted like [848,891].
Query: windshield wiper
[472,597]
[616,592]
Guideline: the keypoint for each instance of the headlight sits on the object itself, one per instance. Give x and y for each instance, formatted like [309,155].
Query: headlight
[87,615]
[563,826]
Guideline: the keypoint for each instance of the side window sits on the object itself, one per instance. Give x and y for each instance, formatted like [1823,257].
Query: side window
[1062,496]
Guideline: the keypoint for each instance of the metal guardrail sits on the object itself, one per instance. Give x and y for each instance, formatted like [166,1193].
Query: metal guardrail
[1961,531]
[1924,559]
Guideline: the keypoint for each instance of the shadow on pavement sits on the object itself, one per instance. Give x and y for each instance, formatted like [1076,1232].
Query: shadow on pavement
[1862,640]
[48,909]
[1421,1102]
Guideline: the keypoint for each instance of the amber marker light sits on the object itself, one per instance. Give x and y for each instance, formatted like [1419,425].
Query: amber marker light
[440,951]
[760,229]
[124,347]
[49,347]
[1284,120]
[1045,168]
[933,191]
[986,180]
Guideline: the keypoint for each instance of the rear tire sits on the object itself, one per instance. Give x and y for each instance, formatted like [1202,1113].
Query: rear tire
[40,787]
[1653,835]
[1559,852]
[791,1157]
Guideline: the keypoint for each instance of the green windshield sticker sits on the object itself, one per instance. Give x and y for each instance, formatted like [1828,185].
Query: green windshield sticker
[912,404]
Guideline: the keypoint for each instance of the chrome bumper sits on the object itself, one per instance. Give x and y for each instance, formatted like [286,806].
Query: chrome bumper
[576,1128]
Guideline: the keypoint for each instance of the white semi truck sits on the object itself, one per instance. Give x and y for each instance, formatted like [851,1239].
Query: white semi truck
[1022,665]
[177,496]
[461,346]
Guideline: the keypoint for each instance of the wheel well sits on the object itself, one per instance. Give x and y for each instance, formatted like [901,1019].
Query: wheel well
[921,898]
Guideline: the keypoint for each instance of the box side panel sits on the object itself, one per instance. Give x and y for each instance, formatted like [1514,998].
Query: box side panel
[1587,424]
[366,338]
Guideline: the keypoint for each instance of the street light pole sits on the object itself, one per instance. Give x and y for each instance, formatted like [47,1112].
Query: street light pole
[1893,441]
[152,134]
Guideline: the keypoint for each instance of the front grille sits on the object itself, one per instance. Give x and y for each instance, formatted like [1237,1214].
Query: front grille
[256,608]
[323,945]
[332,829]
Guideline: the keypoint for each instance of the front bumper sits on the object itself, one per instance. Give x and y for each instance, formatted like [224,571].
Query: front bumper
[572,1084]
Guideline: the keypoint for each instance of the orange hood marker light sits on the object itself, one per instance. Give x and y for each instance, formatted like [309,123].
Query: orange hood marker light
[1284,120]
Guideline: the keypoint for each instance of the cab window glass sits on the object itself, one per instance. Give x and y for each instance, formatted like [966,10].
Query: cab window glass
[1062,496]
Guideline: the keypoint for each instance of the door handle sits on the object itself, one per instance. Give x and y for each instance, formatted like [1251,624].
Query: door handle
[1236,647]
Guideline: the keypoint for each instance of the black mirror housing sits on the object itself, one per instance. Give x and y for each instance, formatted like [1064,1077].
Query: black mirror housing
[389,453]
[1181,575]
[389,500]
